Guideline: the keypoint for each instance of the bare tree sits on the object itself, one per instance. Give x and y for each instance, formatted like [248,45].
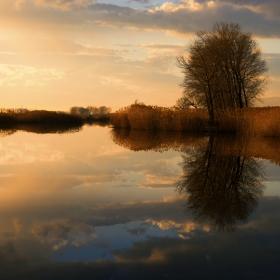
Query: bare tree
[224,69]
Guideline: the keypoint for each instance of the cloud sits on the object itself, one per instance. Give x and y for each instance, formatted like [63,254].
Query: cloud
[53,46]
[58,232]
[181,18]
[140,1]
[162,46]
[13,75]
[56,4]
[270,8]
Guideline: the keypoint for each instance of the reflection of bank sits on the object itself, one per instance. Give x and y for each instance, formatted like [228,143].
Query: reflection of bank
[230,144]
[41,129]
[154,140]
[222,189]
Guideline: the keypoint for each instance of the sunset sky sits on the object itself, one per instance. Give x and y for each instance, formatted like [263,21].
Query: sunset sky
[55,54]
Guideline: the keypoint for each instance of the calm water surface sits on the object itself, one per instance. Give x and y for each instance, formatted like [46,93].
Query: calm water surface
[103,204]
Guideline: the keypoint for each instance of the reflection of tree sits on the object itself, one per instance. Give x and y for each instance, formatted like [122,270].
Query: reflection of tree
[222,189]
[41,129]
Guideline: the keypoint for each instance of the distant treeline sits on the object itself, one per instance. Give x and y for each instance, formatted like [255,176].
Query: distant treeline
[90,110]
[14,111]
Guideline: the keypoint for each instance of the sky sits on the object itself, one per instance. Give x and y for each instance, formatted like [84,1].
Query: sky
[55,54]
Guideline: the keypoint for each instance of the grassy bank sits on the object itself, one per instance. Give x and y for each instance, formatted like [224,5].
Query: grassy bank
[252,121]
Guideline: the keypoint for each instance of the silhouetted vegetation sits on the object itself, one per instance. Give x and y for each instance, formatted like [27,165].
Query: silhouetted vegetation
[223,70]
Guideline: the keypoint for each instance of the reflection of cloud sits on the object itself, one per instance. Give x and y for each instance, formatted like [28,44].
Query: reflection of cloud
[60,245]
[156,255]
[101,244]
[267,224]
[59,229]
[137,231]
[183,229]
[12,154]
[17,225]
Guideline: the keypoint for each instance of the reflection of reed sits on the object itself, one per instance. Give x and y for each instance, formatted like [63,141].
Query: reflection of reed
[7,132]
[41,129]
[144,140]
[222,189]
[136,140]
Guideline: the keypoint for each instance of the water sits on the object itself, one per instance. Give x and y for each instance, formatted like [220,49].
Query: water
[103,204]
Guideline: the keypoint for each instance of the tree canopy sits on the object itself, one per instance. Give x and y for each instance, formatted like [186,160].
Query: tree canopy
[224,69]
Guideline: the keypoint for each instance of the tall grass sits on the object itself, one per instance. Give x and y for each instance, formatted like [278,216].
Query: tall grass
[144,117]
[253,121]
[263,121]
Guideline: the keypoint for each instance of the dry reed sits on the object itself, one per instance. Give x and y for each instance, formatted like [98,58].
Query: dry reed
[253,121]
[142,117]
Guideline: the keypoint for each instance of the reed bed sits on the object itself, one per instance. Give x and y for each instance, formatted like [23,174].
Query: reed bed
[263,121]
[142,117]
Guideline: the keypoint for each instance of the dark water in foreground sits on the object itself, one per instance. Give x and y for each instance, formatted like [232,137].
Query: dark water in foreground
[103,204]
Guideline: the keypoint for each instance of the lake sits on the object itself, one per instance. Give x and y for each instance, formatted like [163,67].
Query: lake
[114,204]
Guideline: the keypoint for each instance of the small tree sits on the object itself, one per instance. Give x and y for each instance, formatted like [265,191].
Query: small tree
[185,103]
[224,69]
